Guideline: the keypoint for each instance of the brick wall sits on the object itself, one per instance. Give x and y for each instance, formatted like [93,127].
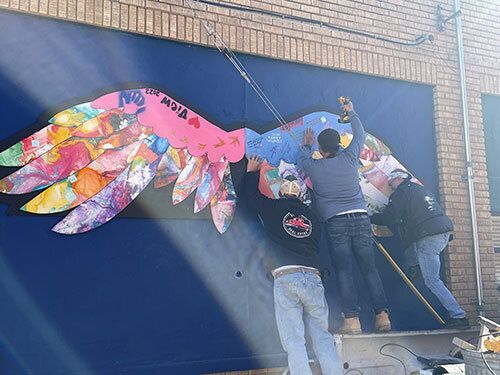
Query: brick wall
[434,64]
[482,56]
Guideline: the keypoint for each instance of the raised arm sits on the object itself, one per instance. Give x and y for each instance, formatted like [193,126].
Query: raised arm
[305,157]
[358,133]
[257,201]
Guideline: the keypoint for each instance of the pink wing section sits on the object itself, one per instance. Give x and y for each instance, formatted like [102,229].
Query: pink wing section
[182,127]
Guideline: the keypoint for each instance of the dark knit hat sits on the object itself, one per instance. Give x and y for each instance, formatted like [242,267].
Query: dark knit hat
[329,140]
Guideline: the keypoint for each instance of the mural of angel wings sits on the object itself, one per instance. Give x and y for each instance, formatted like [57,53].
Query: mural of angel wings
[95,158]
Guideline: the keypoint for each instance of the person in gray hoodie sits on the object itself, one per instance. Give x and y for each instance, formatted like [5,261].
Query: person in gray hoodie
[342,207]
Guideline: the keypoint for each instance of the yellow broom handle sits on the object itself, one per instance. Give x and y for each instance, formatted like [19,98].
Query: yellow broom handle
[408,282]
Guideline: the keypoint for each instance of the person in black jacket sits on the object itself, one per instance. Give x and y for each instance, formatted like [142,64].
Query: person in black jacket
[299,297]
[425,231]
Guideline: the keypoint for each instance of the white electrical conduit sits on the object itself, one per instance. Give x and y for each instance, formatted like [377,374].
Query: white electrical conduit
[470,176]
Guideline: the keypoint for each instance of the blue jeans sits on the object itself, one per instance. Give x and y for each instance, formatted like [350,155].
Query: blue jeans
[427,251]
[299,301]
[350,239]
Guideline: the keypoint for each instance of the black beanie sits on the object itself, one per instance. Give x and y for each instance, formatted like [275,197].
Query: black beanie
[329,140]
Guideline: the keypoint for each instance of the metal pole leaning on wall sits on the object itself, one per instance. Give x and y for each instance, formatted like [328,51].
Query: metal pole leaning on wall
[468,162]
[408,282]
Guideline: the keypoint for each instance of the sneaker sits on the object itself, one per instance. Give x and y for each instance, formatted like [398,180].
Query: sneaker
[351,326]
[457,323]
[382,322]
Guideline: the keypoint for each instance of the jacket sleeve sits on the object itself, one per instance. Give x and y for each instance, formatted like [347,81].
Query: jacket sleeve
[358,138]
[381,218]
[257,201]
[389,216]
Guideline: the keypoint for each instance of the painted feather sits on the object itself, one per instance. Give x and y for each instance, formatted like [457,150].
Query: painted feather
[55,165]
[171,164]
[223,204]
[209,185]
[190,178]
[62,127]
[85,183]
[111,200]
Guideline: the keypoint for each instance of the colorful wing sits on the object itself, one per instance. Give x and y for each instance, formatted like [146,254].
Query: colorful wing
[97,157]
[281,149]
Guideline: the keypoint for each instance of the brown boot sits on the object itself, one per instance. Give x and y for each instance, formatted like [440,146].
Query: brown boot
[382,322]
[351,326]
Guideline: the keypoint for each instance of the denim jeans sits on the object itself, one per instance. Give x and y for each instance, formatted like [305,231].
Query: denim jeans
[427,251]
[299,301]
[350,239]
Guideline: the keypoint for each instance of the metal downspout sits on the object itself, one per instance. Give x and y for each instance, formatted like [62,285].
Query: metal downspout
[470,176]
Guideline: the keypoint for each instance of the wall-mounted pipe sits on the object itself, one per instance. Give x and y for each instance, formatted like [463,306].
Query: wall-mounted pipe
[470,175]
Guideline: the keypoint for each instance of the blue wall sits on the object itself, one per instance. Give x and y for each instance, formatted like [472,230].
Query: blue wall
[161,296]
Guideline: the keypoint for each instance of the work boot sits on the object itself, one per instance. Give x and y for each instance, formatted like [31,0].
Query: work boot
[351,326]
[382,322]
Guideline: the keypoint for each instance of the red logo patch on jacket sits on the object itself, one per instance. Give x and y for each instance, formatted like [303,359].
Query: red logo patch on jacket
[297,226]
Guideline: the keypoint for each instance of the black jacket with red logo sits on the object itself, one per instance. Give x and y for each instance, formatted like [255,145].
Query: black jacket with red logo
[293,227]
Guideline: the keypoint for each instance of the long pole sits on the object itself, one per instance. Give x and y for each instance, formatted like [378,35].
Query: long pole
[408,282]
[468,162]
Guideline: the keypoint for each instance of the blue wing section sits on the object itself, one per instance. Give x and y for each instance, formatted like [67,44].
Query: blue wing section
[284,143]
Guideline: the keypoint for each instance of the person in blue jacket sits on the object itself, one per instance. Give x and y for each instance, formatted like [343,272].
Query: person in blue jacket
[342,207]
